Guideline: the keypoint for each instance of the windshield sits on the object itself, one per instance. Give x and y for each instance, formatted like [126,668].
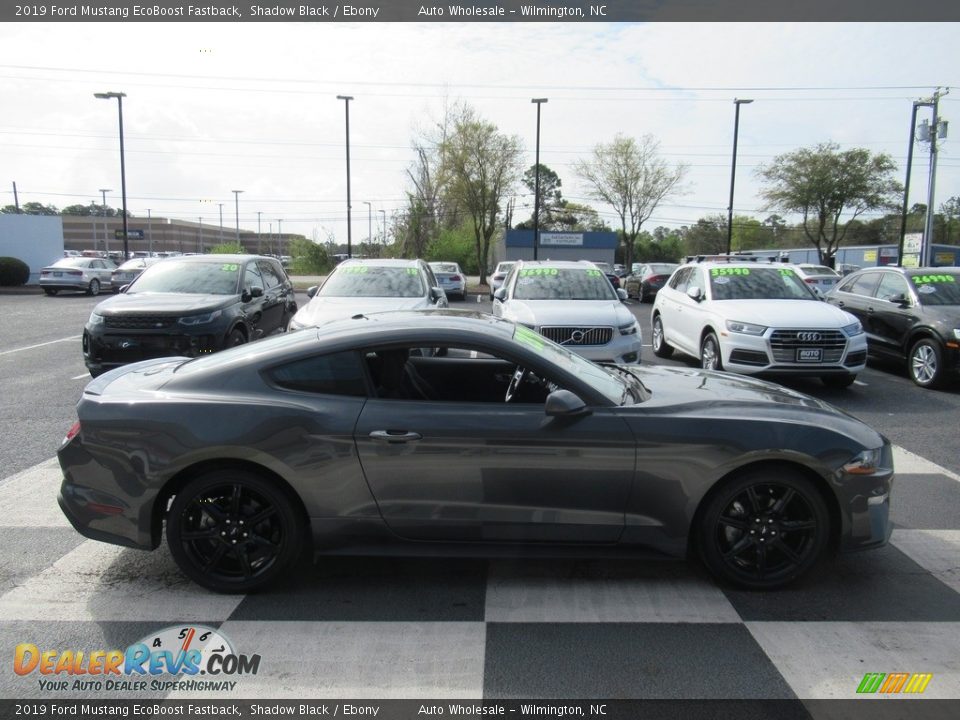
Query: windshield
[757,283]
[819,270]
[72,262]
[135,264]
[661,268]
[173,276]
[373,281]
[503,267]
[444,267]
[546,283]
[938,288]
[610,386]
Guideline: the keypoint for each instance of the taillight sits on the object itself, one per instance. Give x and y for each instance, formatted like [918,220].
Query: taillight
[810,281]
[455,278]
[72,432]
[74,272]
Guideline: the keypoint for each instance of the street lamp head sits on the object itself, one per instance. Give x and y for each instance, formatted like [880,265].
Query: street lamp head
[741,101]
[236,191]
[344,97]
[539,100]
[108,95]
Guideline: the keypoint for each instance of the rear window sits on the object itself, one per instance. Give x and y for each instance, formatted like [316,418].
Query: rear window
[373,281]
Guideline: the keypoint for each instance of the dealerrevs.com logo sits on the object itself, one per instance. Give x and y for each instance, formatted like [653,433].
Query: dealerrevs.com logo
[894,683]
[178,651]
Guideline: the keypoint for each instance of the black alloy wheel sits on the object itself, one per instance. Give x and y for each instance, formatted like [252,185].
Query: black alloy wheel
[236,337]
[660,347]
[94,287]
[925,363]
[764,529]
[232,531]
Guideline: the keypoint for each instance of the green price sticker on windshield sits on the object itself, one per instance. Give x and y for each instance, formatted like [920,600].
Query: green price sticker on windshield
[786,272]
[593,273]
[356,269]
[529,272]
[934,279]
[726,271]
[412,271]
[528,337]
[229,267]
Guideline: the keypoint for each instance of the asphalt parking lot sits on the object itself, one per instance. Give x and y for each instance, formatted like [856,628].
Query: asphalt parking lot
[442,628]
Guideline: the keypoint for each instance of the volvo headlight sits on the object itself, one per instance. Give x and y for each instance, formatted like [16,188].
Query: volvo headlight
[865,463]
[956,334]
[95,319]
[853,329]
[201,319]
[631,328]
[745,328]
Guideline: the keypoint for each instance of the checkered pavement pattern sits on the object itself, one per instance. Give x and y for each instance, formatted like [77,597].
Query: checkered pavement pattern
[441,628]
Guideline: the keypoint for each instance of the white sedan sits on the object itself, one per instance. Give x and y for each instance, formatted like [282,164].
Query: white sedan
[87,274]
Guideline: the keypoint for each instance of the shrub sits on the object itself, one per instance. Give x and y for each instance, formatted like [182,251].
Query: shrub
[13,272]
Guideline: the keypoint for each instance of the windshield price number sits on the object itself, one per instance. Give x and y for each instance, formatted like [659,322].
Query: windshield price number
[542,271]
[786,272]
[934,279]
[720,272]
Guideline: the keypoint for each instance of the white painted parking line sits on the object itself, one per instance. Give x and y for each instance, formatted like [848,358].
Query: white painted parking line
[78,377]
[906,463]
[31,347]
[861,383]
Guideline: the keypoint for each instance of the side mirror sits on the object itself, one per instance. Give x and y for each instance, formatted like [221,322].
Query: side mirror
[500,294]
[437,294]
[312,290]
[124,288]
[621,293]
[563,403]
[256,291]
[695,293]
[902,300]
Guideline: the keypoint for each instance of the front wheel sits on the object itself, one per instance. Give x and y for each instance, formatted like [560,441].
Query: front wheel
[764,529]
[94,287]
[233,531]
[236,337]
[925,363]
[660,347]
[51,291]
[710,358]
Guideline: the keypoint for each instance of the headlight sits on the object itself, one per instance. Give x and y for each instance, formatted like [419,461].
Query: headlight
[201,319]
[631,328]
[95,319]
[956,333]
[865,463]
[293,325]
[745,328]
[854,329]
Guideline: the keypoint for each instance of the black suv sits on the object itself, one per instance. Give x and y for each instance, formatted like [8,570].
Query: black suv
[188,306]
[908,314]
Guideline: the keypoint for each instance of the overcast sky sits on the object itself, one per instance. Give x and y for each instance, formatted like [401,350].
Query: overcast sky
[215,107]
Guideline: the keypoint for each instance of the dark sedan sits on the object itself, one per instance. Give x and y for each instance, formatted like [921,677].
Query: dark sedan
[343,440]
[648,279]
[910,315]
[189,306]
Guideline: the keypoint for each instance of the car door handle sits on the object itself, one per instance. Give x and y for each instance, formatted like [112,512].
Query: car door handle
[395,436]
[870,310]
[840,303]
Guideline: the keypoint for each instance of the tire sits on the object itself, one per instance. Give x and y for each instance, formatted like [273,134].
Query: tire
[660,347]
[94,287]
[236,337]
[763,529]
[51,291]
[838,381]
[925,363]
[233,531]
[710,358]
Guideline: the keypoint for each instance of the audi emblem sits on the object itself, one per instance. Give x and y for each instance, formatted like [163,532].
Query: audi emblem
[809,336]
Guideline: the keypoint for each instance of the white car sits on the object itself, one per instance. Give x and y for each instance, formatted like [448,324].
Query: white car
[87,274]
[499,275]
[451,279]
[756,317]
[820,277]
[365,286]
[573,304]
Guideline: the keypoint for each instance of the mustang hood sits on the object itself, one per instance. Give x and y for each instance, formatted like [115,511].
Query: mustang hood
[611,313]
[322,310]
[164,303]
[784,313]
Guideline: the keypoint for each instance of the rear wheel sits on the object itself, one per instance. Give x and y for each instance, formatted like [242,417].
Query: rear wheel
[710,358]
[764,529]
[94,287]
[236,337]
[51,291]
[233,531]
[660,347]
[925,363]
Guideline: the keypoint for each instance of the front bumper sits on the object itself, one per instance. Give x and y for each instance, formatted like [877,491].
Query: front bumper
[107,348]
[866,508]
[754,355]
[622,350]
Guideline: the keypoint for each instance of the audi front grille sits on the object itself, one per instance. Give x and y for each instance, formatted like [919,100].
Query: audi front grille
[786,343]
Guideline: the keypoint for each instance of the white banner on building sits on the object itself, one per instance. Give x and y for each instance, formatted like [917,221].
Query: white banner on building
[561,239]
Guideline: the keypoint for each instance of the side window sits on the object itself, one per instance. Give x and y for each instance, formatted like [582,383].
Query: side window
[679,281]
[97,265]
[269,274]
[695,279]
[335,374]
[430,277]
[252,277]
[864,285]
[892,285]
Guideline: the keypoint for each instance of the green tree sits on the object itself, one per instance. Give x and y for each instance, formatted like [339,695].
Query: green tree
[309,258]
[455,245]
[825,185]
[707,237]
[482,166]
[631,177]
[950,209]
[30,208]
[750,234]
[228,248]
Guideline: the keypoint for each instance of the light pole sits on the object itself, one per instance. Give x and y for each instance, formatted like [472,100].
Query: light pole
[733,168]
[123,173]
[906,184]
[149,234]
[103,214]
[369,221]
[536,188]
[384,213]
[280,236]
[221,222]
[259,238]
[236,205]
[346,103]
[200,242]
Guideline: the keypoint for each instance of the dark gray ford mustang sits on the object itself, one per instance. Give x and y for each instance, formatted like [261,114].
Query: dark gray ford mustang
[456,432]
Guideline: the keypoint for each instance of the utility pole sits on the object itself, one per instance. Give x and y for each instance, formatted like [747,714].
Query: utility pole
[16,199]
[926,249]
[259,238]
[280,236]
[906,184]
[201,234]
[221,223]
[149,234]
[103,214]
